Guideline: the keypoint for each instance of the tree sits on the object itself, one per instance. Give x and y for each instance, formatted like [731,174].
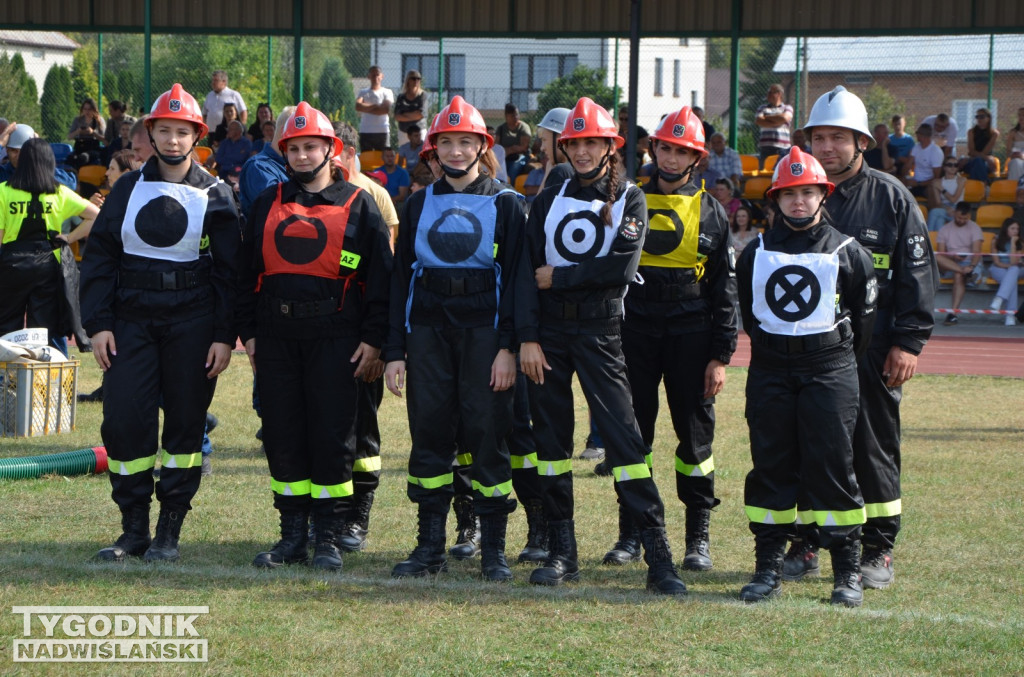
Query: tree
[759,76]
[83,76]
[880,104]
[18,101]
[58,106]
[337,98]
[565,91]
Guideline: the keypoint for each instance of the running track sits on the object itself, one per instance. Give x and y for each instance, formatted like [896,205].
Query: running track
[948,355]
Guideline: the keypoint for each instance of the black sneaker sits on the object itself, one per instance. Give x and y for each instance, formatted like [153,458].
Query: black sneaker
[951,320]
[876,568]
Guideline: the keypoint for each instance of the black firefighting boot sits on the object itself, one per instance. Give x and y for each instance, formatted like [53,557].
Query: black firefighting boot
[467,539]
[561,565]
[846,589]
[326,554]
[536,549]
[291,549]
[698,541]
[134,538]
[769,549]
[493,566]
[662,577]
[627,548]
[357,524]
[164,547]
[428,557]
[802,558]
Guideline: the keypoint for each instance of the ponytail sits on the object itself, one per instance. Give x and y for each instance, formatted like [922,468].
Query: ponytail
[613,188]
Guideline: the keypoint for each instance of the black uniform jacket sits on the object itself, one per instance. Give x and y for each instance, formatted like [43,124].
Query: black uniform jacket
[881,213]
[593,281]
[361,294]
[855,290]
[102,298]
[476,309]
[715,309]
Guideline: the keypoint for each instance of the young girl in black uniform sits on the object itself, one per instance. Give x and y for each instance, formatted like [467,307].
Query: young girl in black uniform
[584,241]
[313,315]
[807,294]
[158,295]
[681,326]
[452,327]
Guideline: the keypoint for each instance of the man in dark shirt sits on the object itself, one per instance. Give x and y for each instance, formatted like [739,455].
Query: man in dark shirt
[514,136]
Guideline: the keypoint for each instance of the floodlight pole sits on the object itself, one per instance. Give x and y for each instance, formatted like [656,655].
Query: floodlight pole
[634,75]
[297,49]
[991,70]
[147,61]
[734,73]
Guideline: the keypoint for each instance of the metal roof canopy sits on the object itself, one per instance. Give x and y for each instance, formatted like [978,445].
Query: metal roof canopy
[521,18]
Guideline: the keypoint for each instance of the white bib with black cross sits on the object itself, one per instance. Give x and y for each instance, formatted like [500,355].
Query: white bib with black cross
[164,220]
[795,294]
[574,230]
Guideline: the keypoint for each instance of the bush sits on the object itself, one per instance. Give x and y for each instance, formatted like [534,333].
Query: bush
[57,106]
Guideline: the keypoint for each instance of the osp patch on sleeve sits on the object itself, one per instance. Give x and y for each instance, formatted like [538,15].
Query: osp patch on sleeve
[631,229]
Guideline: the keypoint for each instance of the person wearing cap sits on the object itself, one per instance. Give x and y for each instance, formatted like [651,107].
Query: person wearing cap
[158,295]
[452,333]
[584,241]
[12,139]
[680,325]
[410,108]
[312,314]
[807,294]
[877,210]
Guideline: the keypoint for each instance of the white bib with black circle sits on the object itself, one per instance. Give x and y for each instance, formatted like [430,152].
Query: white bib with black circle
[795,294]
[164,220]
[574,230]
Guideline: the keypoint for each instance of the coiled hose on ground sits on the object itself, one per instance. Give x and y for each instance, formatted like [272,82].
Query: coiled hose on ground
[79,462]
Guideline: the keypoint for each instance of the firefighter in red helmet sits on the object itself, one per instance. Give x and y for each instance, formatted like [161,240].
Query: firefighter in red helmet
[158,295]
[313,315]
[807,294]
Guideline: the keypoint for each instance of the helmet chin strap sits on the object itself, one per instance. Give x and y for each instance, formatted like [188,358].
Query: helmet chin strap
[173,160]
[593,173]
[310,176]
[685,175]
[856,154]
[453,173]
[804,222]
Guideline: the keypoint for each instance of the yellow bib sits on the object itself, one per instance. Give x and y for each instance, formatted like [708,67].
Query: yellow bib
[674,224]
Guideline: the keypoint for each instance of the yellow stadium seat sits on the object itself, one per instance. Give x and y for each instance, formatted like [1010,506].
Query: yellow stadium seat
[204,153]
[754,188]
[750,164]
[92,174]
[1003,190]
[974,191]
[370,160]
[520,184]
[992,216]
[769,165]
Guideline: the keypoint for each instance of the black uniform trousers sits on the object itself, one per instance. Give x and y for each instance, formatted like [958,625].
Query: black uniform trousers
[309,397]
[521,446]
[876,447]
[157,365]
[448,371]
[366,468]
[598,363]
[30,278]
[682,359]
[801,445]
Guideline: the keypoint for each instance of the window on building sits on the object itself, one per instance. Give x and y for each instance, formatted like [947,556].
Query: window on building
[859,79]
[964,110]
[659,71]
[38,54]
[676,75]
[530,72]
[426,64]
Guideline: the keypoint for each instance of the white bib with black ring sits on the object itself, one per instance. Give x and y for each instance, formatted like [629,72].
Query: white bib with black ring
[574,230]
[164,220]
[795,294]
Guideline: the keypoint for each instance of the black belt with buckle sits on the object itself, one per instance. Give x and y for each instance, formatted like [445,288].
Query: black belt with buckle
[665,292]
[597,310]
[457,286]
[803,344]
[300,310]
[169,281]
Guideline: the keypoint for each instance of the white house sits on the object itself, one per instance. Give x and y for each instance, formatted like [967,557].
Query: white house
[41,50]
[491,72]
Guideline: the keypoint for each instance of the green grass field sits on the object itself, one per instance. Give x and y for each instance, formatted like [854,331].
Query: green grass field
[954,609]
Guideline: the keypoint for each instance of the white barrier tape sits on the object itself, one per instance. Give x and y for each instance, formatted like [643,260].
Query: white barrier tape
[963,311]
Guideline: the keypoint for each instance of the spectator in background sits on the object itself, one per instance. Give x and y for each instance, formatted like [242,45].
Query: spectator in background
[88,130]
[724,160]
[3,150]
[267,136]
[12,138]
[642,137]
[264,114]
[1008,250]
[774,119]
[410,109]
[703,173]
[981,139]
[397,179]
[374,105]
[115,118]
[945,131]
[709,129]
[123,140]
[410,150]
[514,136]
[958,251]
[925,162]
[723,192]
[900,144]
[1015,149]
[499,155]
[881,156]
[944,193]
[233,151]
[799,139]
[264,169]
[141,146]
[742,229]
[348,162]
[229,115]
[219,95]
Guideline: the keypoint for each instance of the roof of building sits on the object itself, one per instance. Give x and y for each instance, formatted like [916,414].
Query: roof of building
[905,54]
[48,39]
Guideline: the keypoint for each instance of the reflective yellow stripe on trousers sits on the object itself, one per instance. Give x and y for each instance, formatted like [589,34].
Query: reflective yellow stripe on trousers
[497,491]
[525,462]
[300,488]
[132,467]
[637,471]
[181,461]
[369,464]
[767,516]
[331,490]
[702,469]
[432,482]
[890,509]
[552,468]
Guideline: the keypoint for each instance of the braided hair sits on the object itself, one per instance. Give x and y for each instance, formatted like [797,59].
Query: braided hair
[613,187]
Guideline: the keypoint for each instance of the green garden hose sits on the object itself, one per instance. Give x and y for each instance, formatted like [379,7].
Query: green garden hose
[79,462]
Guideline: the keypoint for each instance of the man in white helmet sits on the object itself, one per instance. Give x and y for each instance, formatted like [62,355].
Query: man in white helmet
[881,214]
